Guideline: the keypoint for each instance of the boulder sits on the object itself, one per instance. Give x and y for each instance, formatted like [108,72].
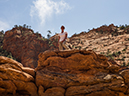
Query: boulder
[79,73]
[16,79]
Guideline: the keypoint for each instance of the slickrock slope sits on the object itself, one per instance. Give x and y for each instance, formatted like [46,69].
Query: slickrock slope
[16,80]
[79,73]
[25,45]
[109,40]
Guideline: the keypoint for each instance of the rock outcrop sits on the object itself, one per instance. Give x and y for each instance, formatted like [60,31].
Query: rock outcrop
[79,73]
[64,73]
[16,80]
[25,45]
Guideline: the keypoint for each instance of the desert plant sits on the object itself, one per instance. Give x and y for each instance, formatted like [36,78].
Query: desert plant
[15,26]
[111,57]
[108,51]
[124,49]
[122,27]
[116,30]
[79,47]
[116,53]
[127,64]
[101,52]
[127,31]
[1,32]
[105,45]
[24,26]
[123,59]
[37,33]
[123,64]
[112,34]
[94,49]
[75,47]
[85,48]
[101,31]
[51,45]
[6,53]
[82,43]
[44,39]
[119,52]
[72,46]
[48,35]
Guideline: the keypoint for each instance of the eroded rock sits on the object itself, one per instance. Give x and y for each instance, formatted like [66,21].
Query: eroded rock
[25,45]
[80,72]
[15,79]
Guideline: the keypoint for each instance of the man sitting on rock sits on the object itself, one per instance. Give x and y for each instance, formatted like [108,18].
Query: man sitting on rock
[62,39]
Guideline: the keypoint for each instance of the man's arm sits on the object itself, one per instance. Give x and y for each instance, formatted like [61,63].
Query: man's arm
[58,38]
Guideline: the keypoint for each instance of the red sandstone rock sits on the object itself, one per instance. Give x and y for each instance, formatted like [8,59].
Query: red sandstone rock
[26,45]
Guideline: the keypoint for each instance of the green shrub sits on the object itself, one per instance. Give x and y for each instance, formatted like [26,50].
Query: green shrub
[123,63]
[119,52]
[122,27]
[79,47]
[85,48]
[124,49]
[76,47]
[116,53]
[127,64]
[101,52]
[123,59]
[111,57]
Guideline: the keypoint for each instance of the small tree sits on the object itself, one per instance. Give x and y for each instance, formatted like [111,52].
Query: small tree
[48,35]
[24,26]
[1,32]
[15,26]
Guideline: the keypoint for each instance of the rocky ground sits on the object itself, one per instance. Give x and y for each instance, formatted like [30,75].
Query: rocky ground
[110,41]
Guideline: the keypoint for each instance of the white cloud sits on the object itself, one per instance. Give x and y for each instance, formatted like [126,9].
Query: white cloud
[44,9]
[4,26]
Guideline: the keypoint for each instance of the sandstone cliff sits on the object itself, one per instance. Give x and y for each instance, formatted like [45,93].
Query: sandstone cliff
[25,45]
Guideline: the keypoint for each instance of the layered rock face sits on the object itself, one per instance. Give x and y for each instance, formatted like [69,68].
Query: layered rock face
[79,73]
[16,80]
[26,45]
[110,41]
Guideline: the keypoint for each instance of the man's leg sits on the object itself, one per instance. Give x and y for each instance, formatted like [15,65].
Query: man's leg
[65,46]
[60,46]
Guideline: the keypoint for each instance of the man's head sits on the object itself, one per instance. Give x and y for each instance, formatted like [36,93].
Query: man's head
[62,27]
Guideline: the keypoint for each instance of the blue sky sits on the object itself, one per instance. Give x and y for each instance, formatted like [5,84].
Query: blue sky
[75,15]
